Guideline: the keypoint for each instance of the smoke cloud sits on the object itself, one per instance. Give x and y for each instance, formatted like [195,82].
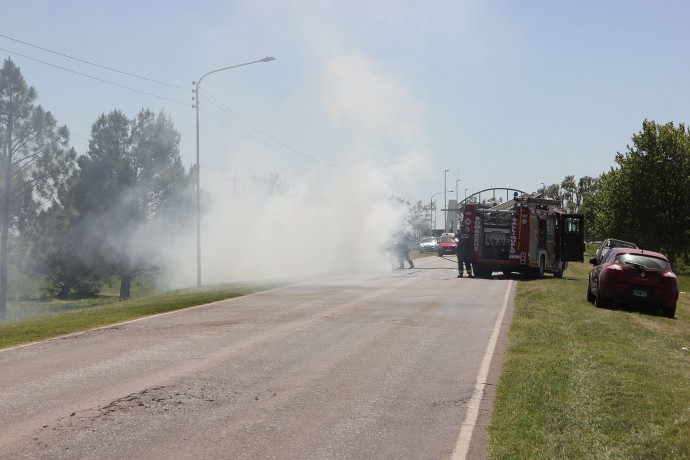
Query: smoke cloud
[336,216]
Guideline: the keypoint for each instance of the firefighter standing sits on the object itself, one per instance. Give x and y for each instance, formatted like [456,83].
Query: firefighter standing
[402,250]
[463,251]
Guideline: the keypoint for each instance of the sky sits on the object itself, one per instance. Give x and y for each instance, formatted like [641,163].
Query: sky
[364,100]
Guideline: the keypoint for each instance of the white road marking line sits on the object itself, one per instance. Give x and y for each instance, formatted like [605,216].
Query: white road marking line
[462,445]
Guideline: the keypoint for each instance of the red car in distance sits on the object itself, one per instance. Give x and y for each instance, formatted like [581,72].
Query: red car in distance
[447,244]
[636,276]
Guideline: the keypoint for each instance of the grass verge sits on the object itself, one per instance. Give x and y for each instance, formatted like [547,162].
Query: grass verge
[580,382]
[104,313]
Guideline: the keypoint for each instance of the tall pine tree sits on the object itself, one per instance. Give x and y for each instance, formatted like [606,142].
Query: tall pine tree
[128,184]
[34,159]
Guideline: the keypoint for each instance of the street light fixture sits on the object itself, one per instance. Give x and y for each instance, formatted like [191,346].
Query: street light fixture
[198,177]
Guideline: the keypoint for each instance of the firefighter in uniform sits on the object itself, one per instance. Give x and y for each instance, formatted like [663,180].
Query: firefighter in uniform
[463,251]
[402,250]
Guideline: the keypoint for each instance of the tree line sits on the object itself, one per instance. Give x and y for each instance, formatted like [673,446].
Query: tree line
[644,198]
[85,219]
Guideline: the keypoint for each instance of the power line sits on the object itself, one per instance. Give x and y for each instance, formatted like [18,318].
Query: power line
[286,149]
[92,63]
[96,78]
[283,146]
[273,141]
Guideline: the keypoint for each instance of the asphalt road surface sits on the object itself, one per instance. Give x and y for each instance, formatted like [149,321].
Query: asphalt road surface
[384,365]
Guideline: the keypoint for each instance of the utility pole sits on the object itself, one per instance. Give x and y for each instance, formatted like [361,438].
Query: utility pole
[197,101]
[445,201]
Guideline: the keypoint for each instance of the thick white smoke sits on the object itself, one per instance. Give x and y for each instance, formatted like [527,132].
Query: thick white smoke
[331,219]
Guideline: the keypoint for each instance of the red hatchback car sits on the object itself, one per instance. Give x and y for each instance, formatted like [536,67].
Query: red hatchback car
[447,244]
[633,275]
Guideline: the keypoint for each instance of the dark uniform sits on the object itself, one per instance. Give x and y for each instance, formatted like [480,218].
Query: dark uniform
[464,253]
[402,251]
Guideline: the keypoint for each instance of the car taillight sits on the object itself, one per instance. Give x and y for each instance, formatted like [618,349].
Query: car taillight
[670,280]
[615,267]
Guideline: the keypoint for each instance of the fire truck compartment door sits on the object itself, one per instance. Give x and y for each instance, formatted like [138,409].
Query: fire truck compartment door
[572,236]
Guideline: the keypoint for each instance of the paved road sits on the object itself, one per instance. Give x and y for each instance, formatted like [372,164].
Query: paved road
[381,365]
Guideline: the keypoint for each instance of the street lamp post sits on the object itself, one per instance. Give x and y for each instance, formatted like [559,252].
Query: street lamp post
[431,210]
[457,189]
[198,176]
[445,201]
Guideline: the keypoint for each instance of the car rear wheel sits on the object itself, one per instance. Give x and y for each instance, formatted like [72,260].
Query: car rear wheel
[599,300]
[590,296]
[670,311]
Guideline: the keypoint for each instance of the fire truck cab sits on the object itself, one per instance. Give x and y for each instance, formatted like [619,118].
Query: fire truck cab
[529,235]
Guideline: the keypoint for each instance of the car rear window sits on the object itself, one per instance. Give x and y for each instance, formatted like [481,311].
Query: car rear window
[447,239]
[643,261]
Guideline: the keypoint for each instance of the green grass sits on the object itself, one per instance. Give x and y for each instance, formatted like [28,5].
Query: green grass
[684,283]
[78,316]
[580,382]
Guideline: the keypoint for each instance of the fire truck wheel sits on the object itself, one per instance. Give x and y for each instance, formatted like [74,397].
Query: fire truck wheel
[482,272]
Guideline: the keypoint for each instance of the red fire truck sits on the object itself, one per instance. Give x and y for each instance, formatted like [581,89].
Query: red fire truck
[529,235]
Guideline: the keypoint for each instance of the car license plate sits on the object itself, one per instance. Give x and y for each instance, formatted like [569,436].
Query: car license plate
[640,293]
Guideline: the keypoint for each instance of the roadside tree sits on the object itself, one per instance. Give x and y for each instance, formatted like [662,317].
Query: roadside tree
[34,160]
[568,191]
[129,194]
[418,220]
[572,192]
[271,184]
[552,191]
[585,185]
[646,199]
